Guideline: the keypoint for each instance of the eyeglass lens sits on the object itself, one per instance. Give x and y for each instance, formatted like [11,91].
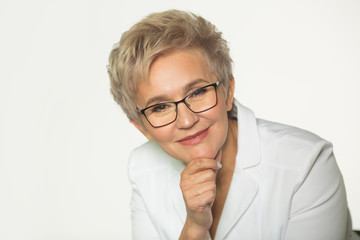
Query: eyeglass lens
[200,100]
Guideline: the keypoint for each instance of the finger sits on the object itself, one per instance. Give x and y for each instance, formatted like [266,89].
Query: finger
[218,156]
[198,165]
[205,187]
[218,159]
[198,202]
[198,189]
[200,177]
[207,198]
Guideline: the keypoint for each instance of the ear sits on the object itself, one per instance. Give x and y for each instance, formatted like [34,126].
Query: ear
[230,94]
[142,129]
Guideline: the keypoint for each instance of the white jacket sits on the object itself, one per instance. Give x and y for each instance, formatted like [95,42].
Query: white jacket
[286,185]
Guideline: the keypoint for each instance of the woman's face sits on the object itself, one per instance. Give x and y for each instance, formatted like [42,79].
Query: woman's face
[191,135]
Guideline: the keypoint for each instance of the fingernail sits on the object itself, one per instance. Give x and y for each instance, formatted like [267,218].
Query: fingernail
[219,165]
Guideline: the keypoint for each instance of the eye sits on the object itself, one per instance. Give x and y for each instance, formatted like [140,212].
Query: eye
[199,92]
[161,108]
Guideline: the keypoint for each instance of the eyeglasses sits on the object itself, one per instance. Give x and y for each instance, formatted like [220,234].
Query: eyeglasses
[200,100]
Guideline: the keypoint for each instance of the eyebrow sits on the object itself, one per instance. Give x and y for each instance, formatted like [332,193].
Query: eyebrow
[164,97]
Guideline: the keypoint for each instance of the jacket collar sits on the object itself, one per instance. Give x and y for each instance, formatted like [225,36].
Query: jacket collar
[249,153]
[243,188]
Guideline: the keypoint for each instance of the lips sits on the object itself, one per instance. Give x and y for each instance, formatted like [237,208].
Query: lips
[195,138]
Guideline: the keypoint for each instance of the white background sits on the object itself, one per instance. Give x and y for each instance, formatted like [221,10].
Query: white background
[64,143]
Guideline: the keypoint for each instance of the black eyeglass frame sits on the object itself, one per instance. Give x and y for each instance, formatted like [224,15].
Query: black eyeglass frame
[142,111]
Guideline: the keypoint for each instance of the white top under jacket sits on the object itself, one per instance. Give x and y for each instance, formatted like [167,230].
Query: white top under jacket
[286,185]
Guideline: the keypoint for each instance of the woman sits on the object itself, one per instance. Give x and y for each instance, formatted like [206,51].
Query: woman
[210,168]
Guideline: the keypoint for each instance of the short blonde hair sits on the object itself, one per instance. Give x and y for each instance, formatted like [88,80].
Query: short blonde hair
[156,35]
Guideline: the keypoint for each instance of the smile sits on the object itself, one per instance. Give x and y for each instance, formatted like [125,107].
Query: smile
[194,139]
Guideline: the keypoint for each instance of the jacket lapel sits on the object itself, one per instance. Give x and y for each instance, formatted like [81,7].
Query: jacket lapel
[243,188]
[240,196]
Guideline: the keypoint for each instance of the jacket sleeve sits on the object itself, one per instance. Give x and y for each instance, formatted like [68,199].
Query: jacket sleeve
[142,226]
[141,223]
[319,205]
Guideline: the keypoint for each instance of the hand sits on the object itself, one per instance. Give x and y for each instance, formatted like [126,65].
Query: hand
[199,191]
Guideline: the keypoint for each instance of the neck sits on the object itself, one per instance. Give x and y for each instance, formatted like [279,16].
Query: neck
[229,151]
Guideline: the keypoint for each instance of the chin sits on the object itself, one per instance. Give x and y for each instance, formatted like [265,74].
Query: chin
[202,152]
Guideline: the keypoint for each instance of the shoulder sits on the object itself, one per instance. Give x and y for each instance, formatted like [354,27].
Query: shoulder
[279,130]
[290,147]
[151,159]
[298,159]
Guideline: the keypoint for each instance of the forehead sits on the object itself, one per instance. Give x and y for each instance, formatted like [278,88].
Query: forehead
[178,66]
[171,73]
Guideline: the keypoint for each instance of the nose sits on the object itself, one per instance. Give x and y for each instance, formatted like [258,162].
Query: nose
[185,117]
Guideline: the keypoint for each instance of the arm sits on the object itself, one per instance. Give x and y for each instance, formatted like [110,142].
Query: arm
[142,227]
[193,231]
[319,205]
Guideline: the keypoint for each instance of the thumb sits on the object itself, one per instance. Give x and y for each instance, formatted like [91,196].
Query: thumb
[218,158]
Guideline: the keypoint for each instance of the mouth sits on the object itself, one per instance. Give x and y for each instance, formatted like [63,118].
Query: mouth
[195,138]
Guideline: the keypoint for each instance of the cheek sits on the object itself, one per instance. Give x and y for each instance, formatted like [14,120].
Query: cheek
[163,134]
[217,117]
[220,110]
[221,120]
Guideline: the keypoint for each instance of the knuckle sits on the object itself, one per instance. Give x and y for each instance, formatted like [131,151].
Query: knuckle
[200,209]
[186,197]
[192,205]
[184,184]
[212,185]
[209,173]
[198,162]
[208,197]
[200,203]
[212,194]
